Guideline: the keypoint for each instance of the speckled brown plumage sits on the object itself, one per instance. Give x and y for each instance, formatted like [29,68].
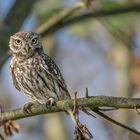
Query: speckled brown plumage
[34,72]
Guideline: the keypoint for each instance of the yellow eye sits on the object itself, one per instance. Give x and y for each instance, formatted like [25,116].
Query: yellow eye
[17,41]
[34,41]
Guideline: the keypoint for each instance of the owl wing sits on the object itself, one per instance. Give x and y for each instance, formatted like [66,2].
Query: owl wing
[14,78]
[50,67]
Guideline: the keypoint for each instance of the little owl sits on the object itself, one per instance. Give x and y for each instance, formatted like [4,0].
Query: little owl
[33,72]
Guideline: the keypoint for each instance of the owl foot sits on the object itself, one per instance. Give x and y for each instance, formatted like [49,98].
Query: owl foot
[27,107]
[50,102]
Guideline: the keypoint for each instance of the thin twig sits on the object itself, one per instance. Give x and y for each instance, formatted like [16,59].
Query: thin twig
[107,109]
[116,122]
[75,108]
[86,93]
[2,138]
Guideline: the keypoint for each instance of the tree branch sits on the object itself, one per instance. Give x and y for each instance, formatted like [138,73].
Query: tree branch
[115,122]
[76,19]
[12,25]
[91,102]
[54,21]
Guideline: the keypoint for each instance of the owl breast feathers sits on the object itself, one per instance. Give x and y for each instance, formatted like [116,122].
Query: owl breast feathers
[34,72]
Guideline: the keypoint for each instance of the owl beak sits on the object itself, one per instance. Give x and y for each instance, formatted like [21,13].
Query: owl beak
[27,48]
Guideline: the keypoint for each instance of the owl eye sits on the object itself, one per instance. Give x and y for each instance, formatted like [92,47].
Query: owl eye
[18,42]
[34,40]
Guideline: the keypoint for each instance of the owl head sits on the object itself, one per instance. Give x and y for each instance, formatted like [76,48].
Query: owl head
[25,43]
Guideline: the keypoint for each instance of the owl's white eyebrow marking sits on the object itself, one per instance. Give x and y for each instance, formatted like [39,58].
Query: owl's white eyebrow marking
[15,37]
[35,36]
[12,37]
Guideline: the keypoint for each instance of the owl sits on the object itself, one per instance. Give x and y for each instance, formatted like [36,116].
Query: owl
[33,72]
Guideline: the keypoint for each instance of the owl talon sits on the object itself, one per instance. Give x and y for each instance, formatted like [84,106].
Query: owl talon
[27,107]
[50,102]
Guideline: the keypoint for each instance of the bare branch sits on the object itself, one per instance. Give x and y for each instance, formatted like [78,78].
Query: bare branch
[85,16]
[115,122]
[91,102]
[59,18]
[63,19]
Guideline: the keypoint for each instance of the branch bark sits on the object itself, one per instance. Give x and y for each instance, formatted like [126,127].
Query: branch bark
[63,106]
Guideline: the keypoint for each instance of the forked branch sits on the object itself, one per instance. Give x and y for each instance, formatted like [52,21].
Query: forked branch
[90,102]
